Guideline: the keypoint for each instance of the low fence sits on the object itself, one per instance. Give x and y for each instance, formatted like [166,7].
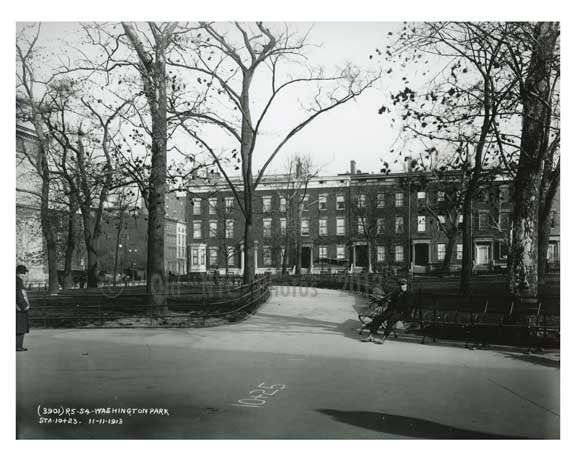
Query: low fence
[132,310]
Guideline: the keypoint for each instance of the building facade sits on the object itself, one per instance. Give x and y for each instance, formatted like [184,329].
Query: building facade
[354,222]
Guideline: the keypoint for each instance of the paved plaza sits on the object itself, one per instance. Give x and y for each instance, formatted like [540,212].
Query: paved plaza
[295,369]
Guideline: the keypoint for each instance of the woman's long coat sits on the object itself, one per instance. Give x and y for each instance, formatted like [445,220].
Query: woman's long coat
[22,306]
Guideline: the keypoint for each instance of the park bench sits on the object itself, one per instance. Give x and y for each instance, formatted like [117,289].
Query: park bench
[480,321]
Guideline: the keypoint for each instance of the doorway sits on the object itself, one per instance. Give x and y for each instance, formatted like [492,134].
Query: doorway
[482,254]
[306,257]
[362,256]
[421,251]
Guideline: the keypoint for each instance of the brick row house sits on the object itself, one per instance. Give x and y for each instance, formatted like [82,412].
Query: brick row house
[352,222]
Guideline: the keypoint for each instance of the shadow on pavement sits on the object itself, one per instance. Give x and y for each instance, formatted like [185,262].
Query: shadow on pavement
[406,426]
[289,324]
[534,359]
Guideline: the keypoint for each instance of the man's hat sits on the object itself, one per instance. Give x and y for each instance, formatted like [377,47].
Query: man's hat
[21,269]
[402,282]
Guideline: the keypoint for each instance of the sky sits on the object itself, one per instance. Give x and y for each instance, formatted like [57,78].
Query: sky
[353,131]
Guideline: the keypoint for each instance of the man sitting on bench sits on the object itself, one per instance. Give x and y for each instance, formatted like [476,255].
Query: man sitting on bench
[401,303]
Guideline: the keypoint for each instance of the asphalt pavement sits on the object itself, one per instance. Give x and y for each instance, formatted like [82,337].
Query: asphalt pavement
[294,370]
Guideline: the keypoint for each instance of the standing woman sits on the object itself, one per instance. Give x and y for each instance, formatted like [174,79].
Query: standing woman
[22,306]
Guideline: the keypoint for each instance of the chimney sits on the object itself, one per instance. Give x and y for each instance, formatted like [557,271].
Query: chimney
[407,164]
[352,166]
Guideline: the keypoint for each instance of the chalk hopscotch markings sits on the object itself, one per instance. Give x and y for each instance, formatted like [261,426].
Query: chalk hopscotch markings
[259,396]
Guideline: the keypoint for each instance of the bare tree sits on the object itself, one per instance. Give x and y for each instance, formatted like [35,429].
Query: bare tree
[536,158]
[228,59]
[30,91]
[469,103]
[364,206]
[292,189]
[85,158]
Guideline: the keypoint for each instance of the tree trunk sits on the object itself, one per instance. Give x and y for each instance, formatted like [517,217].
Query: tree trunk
[152,69]
[45,218]
[545,224]
[117,246]
[536,107]
[370,256]
[50,239]
[466,275]
[67,279]
[449,251]
[249,267]
[298,256]
[285,260]
[156,283]
[246,151]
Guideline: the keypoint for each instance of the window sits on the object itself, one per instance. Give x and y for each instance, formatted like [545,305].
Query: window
[340,252]
[504,220]
[229,228]
[266,204]
[283,226]
[360,226]
[282,204]
[421,195]
[460,219]
[399,225]
[213,256]
[362,201]
[267,256]
[322,202]
[421,223]
[399,199]
[323,252]
[323,226]
[381,201]
[305,228]
[459,252]
[197,228]
[380,226]
[267,227]
[181,240]
[482,220]
[212,205]
[441,251]
[501,250]
[196,207]
[504,193]
[552,253]
[213,228]
[194,256]
[399,253]
[231,255]
[553,219]
[442,219]
[441,196]
[380,254]
[229,203]
[340,228]
[340,202]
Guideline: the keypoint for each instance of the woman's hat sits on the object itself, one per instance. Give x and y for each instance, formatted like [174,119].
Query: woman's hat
[21,269]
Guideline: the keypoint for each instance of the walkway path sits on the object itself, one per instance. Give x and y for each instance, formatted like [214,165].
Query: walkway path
[329,384]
